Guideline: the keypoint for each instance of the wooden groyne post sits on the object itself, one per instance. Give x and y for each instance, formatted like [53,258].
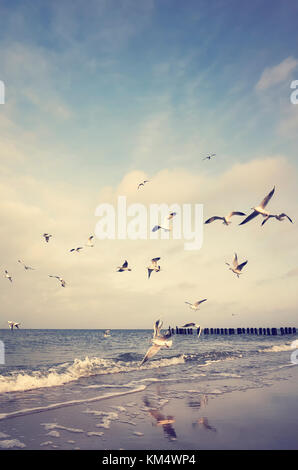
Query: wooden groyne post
[232,331]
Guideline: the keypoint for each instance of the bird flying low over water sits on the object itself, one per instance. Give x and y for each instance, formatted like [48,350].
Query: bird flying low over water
[47,236]
[143,183]
[25,266]
[237,268]
[13,325]
[124,267]
[159,341]
[279,217]
[166,223]
[8,276]
[260,210]
[62,282]
[208,157]
[153,266]
[225,219]
[190,325]
[195,305]
[76,249]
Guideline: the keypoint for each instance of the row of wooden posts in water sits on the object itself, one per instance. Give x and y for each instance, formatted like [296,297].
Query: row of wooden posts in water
[232,331]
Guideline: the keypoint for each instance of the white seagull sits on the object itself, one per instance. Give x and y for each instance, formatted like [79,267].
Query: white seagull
[89,242]
[260,210]
[279,217]
[159,341]
[25,265]
[195,305]
[166,224]
[237,268]
[62,282]
[225,219]
[153,267]
[143,183]
[13,324]
[47,236]
[8,276]
[124,267]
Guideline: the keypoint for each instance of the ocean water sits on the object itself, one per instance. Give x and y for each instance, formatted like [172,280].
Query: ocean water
[48,369]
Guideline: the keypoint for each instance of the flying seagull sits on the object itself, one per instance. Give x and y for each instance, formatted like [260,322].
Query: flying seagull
[166,224]
[260,210]
[225,219]
[159,341]
[190,325]
[195,305]
[13,324]
[76,249]
[279,217]
[153,266]
[89,242]
[25,266]
[208,157]
[143,183]
[8,276]
[47,236]
[237,268]
[63,283]
[124,267]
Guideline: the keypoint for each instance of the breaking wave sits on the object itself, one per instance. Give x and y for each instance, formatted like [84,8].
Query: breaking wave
[63,374]
[281,347]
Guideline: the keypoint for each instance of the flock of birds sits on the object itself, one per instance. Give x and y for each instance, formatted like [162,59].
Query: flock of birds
[47,237]
[163,340]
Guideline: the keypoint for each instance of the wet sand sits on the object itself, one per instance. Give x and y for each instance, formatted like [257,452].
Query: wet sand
[167,417]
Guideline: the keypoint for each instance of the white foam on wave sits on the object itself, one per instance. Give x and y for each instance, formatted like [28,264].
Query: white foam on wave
[105,417]
[228,374]
[11,443]
[39,409]
[52,426]
[281,347]
[22,381]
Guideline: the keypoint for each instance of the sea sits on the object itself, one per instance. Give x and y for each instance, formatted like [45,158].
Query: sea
[51,369]
[90,364]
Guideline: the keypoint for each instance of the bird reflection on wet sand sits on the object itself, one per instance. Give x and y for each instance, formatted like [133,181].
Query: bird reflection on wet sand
[161,420]
[203,421]
[198,403]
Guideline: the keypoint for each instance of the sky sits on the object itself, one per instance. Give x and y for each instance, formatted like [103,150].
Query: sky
[98,98]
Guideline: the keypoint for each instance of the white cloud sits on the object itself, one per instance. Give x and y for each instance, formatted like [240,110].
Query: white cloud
[277,74]
[288,125]
[98,297]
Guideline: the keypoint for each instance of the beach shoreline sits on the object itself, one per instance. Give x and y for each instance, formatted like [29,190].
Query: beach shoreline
[166,416]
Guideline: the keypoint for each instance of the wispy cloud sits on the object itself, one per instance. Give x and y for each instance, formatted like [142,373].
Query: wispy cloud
[279,73]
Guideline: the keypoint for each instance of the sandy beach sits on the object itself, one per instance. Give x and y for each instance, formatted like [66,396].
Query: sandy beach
[164,417]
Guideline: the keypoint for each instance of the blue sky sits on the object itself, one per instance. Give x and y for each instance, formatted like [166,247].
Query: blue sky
[96,91]
[115,64]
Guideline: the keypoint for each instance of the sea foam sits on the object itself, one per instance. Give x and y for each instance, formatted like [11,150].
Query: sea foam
[22,381]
